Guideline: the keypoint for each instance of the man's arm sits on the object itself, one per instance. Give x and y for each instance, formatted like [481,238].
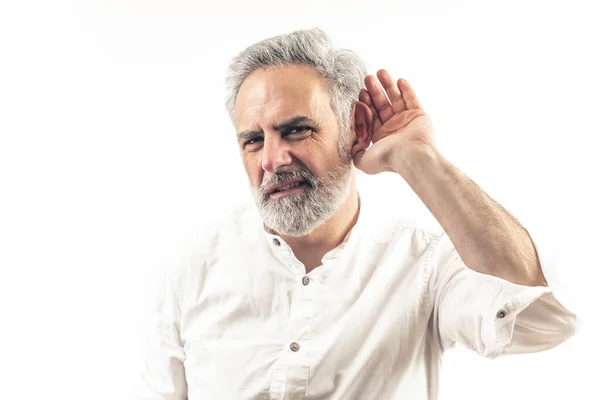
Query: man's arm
[488,238]
[486,279]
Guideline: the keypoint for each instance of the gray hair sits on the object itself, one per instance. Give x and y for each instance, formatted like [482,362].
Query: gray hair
[343,70]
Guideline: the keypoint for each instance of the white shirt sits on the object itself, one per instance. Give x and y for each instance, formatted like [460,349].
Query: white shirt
[241,318]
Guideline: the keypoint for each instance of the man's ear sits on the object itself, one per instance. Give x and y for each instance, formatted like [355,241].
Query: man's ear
[363,127]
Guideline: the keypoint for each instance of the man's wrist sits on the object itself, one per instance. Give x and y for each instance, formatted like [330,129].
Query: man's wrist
[410,160]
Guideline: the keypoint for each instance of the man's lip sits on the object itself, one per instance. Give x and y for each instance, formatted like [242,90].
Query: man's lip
[271,189]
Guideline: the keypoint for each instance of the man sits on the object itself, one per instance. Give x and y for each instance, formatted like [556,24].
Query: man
[307,294]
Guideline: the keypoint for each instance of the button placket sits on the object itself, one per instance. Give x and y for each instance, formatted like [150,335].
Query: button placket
[301,316]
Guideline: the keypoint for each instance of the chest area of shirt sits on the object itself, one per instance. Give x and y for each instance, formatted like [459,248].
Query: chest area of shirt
[259,294]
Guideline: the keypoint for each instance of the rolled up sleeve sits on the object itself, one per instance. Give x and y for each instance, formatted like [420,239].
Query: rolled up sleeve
[490,315]
[163,374]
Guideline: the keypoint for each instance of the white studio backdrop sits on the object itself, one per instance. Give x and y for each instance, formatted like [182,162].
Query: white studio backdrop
[117,149]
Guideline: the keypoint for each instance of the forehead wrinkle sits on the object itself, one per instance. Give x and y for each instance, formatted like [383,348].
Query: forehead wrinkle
[269,114]
[300,88]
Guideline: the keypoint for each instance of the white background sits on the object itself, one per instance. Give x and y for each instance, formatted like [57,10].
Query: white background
[116,148]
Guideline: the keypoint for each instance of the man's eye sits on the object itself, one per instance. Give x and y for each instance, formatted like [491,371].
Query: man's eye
[252,141]
[297,129]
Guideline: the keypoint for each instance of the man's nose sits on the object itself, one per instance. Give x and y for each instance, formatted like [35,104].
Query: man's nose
[275,154]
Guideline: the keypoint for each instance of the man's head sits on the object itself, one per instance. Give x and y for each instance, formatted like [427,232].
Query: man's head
[292,99]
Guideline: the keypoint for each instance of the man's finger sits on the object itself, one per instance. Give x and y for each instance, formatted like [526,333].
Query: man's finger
[410,98]
[382,104]
[392,91]
[366,98]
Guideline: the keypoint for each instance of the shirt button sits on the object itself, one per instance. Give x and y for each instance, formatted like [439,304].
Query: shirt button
[501,314]
[294,346]
[305,280]
[276,242]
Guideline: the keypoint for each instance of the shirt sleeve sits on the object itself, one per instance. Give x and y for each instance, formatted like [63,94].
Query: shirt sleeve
[490,315]
[163,373]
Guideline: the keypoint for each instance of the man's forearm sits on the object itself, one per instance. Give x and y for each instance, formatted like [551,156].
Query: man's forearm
[487,238]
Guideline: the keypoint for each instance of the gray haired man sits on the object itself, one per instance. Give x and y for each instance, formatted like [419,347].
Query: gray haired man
[311,292]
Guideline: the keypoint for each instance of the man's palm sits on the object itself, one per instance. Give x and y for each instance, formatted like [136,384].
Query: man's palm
[399,124]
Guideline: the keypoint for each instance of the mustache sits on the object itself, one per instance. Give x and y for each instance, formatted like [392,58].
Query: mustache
[283,176]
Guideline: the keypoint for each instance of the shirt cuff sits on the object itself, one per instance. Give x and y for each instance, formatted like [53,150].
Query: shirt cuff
[526,319]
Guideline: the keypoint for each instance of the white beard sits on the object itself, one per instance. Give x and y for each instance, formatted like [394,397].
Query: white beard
[300,213]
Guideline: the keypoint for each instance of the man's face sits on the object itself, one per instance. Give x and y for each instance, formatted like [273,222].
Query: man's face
[288,136]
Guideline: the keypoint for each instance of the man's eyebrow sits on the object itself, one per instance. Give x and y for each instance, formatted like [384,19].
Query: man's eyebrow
[247,135]
[290,123]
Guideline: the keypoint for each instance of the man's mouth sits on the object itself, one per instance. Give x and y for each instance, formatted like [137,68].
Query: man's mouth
[286,187]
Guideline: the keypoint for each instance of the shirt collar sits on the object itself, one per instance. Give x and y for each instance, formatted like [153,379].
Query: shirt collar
[279,244]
